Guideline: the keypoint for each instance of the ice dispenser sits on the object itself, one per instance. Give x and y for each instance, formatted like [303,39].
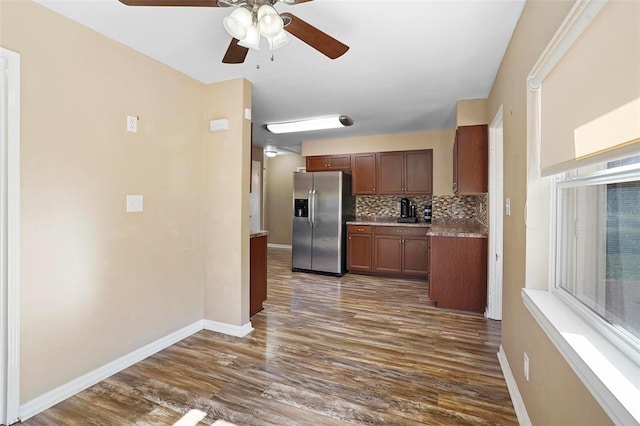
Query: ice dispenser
[301,207]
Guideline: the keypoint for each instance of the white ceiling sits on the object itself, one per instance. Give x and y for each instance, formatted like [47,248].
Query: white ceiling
[409,60]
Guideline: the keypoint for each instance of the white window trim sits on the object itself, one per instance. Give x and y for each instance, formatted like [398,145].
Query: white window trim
[610,376]
[606,369]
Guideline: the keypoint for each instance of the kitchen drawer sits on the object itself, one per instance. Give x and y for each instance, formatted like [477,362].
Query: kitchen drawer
[359,229]
[402,231]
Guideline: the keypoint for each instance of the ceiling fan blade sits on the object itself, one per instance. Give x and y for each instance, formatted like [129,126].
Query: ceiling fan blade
[235,54]
[294,1]
[205,3]
[315,38]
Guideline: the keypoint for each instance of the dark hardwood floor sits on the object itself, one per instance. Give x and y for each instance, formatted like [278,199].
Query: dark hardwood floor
[325,351]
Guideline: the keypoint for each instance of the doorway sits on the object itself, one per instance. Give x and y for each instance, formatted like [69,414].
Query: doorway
[9,235]
[494,291]
[255,210]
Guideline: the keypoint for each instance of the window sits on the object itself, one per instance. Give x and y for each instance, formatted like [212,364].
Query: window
[598,242]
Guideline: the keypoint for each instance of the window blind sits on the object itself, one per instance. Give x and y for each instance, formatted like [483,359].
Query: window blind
[590,101]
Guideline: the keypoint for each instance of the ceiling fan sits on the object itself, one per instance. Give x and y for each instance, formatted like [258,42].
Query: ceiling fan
[254,18]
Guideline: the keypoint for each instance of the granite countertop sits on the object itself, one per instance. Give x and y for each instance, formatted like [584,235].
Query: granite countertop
[385,221]
[469,228]
[256,234]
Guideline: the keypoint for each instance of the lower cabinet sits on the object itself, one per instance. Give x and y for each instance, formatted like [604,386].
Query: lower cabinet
[359,248]
[257,273]
[388,250]
[415,255]
[401,250]
[458,277]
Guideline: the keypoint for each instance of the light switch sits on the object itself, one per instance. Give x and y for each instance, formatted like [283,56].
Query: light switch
[134,203]
[507,206]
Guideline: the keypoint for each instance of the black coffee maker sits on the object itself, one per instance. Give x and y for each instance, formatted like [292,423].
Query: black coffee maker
[405,208]
[407,212]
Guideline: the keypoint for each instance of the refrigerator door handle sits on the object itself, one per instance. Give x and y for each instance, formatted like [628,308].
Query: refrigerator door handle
[310,212]
[313,208]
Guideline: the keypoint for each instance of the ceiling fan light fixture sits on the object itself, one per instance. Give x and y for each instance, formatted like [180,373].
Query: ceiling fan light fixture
[269,22]
[322,123]
[270,25]
[279,40]
[266,9]
[252,39]
[237,23]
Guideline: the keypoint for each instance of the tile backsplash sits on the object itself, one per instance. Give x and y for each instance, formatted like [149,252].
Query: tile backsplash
[461,207]
[388,205]
[444,206]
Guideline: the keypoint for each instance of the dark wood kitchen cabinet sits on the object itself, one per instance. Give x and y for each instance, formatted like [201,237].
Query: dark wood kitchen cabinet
[471,160]
[401,250]
[404,172]
[328,163]
[458,278]
[257,273]
[387,253]
[363,174]
[359,248]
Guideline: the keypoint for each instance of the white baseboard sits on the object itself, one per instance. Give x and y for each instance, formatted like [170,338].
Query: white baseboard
[51,398]
[514,392]
[81,383]
[231,330]
[282,246]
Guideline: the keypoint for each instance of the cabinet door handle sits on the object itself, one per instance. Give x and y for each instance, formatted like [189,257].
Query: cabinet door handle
[360,230]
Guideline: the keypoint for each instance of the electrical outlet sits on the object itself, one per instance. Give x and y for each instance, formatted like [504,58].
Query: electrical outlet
[526,366]
[132,124]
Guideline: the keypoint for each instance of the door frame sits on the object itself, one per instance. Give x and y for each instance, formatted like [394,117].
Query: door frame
[10,193]
[496,189]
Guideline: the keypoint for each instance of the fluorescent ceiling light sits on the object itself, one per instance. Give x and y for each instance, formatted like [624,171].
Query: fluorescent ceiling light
[323,123]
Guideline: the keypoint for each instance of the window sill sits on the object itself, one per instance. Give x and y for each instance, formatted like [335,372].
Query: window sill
[611,377]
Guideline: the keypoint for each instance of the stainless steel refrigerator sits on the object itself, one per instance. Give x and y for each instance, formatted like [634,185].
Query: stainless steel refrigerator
[322,204]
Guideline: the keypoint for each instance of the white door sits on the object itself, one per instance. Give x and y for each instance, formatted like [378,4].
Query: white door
[494,291]
[256,192]
[9,235]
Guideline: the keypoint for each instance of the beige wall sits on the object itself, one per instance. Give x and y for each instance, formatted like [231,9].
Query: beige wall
[554,395]
[278,196]
[227,157]
[470,112]
[440,141]
[99,283]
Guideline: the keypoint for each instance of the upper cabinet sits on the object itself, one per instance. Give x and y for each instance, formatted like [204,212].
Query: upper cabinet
[470,160]
[382,173]
[363,174]
[328,163]
[404,172]
[418,172]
